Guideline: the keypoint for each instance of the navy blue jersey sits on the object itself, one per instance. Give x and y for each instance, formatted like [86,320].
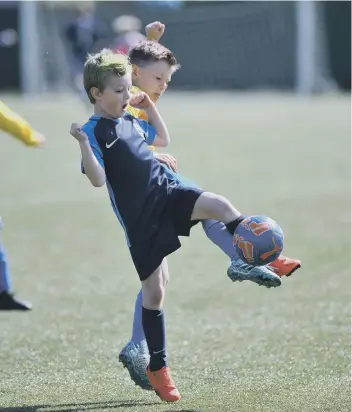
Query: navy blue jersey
[137,183]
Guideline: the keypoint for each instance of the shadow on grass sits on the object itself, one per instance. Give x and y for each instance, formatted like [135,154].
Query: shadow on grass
[79,407]
[185,410]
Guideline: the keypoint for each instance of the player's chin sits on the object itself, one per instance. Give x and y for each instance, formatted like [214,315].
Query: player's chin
[156,97]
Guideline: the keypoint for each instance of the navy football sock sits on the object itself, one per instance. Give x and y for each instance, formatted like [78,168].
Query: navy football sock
[231,226]
[154,330]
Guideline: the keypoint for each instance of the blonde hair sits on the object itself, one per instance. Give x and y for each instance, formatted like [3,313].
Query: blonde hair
[100,66]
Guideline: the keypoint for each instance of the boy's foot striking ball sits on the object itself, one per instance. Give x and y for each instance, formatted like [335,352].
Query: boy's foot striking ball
[258,240]
[239,271]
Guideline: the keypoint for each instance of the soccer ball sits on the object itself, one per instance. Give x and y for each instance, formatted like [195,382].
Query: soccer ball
[258,240]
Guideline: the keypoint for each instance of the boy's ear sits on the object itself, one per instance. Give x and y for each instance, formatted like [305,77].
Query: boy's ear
[135,71]
[95,93]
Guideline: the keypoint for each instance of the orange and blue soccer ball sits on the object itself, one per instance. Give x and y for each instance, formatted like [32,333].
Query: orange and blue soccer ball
[258,240]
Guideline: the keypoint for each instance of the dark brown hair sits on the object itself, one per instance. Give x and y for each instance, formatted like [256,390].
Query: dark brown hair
[149,51]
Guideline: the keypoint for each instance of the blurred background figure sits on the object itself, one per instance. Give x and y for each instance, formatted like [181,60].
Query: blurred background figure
[299,46]
[177,4]
[83,35]
[127,29]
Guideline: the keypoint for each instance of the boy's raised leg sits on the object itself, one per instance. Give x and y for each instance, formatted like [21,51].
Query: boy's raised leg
[209,204]
[212,206]
[238,270]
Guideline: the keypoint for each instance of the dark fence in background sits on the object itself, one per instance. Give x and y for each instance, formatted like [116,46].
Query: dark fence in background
[227,44]
[220,45]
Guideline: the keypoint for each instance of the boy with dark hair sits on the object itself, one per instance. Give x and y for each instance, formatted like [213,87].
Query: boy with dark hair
[153,67]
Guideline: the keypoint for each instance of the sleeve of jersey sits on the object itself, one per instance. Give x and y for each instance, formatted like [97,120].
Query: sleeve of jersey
[17,127]
[95,148]
[149,131]
[140,114]
[134,112]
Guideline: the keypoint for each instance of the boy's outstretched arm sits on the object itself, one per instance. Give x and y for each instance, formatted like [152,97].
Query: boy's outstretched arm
[16,126]
[92,168]
[142,101]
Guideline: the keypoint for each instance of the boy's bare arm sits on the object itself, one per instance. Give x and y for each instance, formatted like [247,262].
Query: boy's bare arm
[162,138]
[92,168]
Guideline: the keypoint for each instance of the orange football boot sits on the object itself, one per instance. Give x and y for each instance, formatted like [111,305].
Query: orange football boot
[163,384]
[284,266]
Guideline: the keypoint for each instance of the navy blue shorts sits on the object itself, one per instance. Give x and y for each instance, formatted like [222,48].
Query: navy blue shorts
[174,221]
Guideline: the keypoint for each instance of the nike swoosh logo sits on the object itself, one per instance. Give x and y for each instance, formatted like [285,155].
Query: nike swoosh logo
[159,351]
[110,144]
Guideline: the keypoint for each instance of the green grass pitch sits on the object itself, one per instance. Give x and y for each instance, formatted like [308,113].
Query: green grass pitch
[232,347]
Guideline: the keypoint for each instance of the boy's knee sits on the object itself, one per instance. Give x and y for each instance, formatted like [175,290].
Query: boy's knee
[222,205]
[154,290]
[165,279]
[157,294]
[153,296]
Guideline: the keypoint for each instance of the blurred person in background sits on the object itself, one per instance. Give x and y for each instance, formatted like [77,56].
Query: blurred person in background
[83,34]
[17,127]
[170,4]
[128,33]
